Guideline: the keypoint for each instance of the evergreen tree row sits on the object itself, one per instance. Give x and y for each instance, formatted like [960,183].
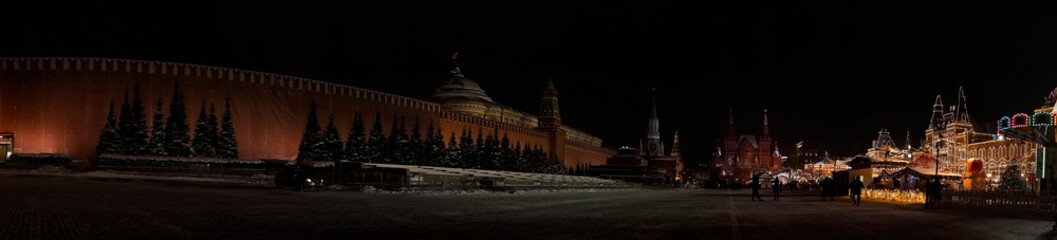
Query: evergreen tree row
[412,147]
[128,134]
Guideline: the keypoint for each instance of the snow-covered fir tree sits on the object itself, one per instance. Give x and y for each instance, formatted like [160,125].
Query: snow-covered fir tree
[156,145]
[515,157]
[177,142]
[526,159]
[108,137]
[467,150]
[506,161]
[451,152]
[202,145]
[428,151]
[356,145]
[133,126]
[332,144]
[475,160]
[376,142]
[214,131]
[489,156]
[414,145]
[439,150]
[398,147]
[229,146]
[433,149]
[310,140]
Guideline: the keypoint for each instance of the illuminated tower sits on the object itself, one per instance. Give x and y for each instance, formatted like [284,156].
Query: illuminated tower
[765,155]
[550,120]
[550,116]
[675,145]
[654,147]
[908,142]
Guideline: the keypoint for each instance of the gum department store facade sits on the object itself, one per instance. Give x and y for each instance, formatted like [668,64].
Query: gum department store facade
[963,141]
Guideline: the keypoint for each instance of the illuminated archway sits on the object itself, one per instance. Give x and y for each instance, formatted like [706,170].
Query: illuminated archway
[1041,119]
[1019,120]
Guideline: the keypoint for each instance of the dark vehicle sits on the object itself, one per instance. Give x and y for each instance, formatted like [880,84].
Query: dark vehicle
[299,178]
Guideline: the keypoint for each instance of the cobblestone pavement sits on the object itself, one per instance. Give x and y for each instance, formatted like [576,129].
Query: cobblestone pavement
[36,207]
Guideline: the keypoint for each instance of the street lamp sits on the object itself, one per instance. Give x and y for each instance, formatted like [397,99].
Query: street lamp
[937,149]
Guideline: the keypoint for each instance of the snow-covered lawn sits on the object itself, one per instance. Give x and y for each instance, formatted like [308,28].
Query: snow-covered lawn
[61,172]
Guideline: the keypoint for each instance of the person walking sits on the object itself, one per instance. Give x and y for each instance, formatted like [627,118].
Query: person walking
[928,194]
[832,188]
[755,187]
[935,188]
[856,190]
[777,184]
[825,188]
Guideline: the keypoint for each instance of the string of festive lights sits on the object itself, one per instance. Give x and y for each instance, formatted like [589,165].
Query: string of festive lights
[1003,123]
[1041,119]
[1019,120]
[895,195]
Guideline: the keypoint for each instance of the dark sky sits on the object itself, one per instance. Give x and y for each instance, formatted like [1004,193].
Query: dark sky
[834,72]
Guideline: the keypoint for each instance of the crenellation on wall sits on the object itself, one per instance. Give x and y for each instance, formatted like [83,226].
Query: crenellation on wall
[115,65]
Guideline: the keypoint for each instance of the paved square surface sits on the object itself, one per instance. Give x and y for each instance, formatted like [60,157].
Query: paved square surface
[37,207]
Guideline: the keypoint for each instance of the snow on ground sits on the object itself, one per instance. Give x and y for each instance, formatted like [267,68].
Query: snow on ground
[62,172]
[179,159]
[487,192]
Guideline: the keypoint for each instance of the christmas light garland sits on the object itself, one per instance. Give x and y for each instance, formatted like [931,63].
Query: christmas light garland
[1019,120]
[1003,123]
[1041,119]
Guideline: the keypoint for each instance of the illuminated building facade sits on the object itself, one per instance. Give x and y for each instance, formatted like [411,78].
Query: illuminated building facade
[960,143]
[738,157]
[952,130]
[805,152]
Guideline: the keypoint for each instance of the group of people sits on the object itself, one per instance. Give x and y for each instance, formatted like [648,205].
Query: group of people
[854,188]
[776,188]
[827,189]
[933,193]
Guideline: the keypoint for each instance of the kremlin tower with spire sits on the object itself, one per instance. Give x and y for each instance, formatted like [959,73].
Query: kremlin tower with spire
[647,164]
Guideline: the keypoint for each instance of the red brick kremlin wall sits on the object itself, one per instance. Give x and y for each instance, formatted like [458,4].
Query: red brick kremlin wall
[59,105]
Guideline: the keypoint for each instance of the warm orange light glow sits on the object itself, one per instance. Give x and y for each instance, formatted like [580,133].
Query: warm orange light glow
[892,195]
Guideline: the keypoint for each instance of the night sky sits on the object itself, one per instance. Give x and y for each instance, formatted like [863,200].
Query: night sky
[835,72]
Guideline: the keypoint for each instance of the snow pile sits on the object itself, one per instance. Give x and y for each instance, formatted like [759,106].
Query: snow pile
[484,192]
[39,155]
[367,189]
[108,174]
[123,175]
[317,164]
[178,159]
